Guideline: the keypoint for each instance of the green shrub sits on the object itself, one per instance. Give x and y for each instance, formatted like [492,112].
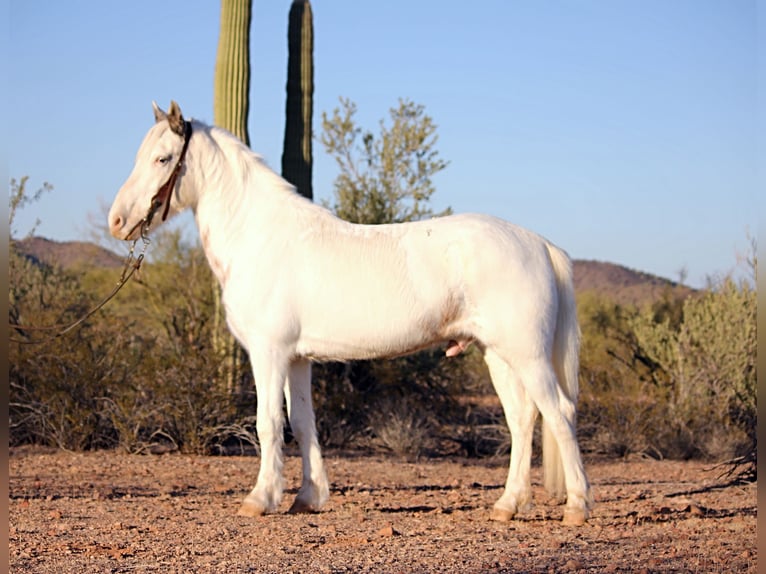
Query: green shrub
[57,388]
[137,375]
[674,379]
[707,365]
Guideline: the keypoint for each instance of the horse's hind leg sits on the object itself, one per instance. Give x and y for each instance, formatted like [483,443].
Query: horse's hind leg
[269,372]
[558,411]
[520,413]
[314,490]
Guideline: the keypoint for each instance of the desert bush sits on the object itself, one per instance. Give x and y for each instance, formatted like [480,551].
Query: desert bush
[341,409]
[402,428]
[675,378]
[137,375]
[350,398]
[620,419]
[177,397]
[57,388]
[707,364]
[619,404]
[483,432]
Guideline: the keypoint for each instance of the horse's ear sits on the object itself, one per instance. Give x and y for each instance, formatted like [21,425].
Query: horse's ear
[176,119]
[159,115]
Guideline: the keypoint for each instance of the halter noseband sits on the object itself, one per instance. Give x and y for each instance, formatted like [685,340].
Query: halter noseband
[162,197]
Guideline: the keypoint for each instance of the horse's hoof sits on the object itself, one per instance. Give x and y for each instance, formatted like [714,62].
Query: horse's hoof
[501,515]
[300,507]
[574,517]
[251,510]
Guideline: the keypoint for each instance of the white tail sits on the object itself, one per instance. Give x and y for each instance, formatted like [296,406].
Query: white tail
[566,351]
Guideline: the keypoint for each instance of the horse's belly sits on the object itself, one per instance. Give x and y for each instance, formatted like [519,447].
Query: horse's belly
[343,337]
[384,307]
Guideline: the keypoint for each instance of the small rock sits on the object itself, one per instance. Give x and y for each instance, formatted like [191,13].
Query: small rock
[696,510]
[387,531]
[573,566]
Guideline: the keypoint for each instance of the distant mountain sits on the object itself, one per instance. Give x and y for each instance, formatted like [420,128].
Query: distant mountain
[624,285]
[67,254]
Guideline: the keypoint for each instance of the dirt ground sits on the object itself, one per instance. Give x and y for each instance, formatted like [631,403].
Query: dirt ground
[108,512]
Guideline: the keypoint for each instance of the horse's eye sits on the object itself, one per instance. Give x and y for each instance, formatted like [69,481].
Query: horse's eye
[163,159]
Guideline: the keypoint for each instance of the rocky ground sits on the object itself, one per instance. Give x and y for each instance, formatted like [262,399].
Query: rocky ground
[108,512]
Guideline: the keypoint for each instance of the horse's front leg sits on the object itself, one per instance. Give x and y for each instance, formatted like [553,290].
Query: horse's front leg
[314,490]
[269,370]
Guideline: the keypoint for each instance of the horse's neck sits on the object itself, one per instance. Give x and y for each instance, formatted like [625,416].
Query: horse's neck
[239,200]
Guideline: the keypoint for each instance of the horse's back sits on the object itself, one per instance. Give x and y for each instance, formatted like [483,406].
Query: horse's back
[467,276]
[493,251]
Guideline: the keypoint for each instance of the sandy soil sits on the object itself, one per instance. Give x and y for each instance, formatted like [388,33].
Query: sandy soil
[107,512]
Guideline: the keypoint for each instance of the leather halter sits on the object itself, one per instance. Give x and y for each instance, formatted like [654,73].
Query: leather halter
[162,197]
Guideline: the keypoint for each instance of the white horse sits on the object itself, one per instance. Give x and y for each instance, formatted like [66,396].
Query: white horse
[299,285]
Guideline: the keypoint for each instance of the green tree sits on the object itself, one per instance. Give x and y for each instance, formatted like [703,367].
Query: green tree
[385,178]
[20,198]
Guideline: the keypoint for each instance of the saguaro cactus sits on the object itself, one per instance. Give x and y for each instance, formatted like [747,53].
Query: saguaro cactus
[296,154]
[231,103]
[232,69]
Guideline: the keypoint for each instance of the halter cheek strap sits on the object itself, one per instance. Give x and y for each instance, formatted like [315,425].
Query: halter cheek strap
[162,197]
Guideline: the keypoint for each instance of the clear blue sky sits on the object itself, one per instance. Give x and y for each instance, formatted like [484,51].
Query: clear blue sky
[623,130]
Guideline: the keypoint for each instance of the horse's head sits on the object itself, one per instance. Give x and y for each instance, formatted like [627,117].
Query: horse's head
[150,186]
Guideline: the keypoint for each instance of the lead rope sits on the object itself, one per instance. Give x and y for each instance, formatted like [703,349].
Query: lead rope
[132,264]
